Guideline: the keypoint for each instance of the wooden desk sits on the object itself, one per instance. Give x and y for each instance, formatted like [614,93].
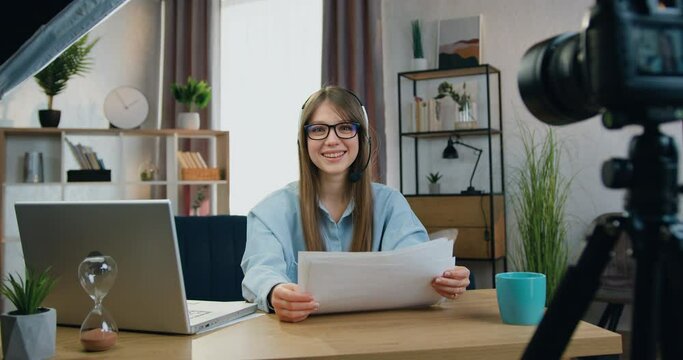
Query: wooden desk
[469,328]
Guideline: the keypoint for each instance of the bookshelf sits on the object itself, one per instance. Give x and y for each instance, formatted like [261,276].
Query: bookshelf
[477,210]
[127,154]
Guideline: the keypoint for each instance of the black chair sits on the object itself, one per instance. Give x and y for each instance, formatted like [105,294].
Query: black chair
[211,249]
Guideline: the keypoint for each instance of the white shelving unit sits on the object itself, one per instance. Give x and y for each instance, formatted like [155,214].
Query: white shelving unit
[122,151]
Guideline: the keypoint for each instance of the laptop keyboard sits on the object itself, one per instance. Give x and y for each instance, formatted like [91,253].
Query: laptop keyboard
[197,313]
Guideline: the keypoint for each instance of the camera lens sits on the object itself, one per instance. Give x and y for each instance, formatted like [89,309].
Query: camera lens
[553,83]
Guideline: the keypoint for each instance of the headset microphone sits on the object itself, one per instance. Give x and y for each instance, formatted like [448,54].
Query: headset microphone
[354,176]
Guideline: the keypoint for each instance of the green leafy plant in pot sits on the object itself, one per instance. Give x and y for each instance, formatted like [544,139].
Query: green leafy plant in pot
[195,95]
[29,331]
[434,186]
[53,78]
[539,202]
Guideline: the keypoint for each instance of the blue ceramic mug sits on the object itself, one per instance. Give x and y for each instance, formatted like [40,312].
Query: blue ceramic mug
[521,297]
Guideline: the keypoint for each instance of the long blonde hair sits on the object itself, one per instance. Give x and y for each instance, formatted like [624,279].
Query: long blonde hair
[348,106]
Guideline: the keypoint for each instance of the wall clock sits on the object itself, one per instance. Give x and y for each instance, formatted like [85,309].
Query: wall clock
[126,107]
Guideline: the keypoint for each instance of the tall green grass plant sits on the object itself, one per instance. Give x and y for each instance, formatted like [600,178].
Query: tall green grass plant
[539,202]
[417,39]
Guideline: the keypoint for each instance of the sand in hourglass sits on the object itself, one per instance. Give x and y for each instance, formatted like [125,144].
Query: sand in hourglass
[98,340]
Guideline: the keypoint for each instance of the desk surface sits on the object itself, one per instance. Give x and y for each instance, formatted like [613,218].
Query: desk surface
[469,328]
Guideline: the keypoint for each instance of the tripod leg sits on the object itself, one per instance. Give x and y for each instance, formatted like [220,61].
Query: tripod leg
[616,315]
[574,293]
[644,337]
[606,315]
[671,331]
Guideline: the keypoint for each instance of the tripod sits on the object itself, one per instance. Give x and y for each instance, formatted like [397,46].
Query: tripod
[649,175]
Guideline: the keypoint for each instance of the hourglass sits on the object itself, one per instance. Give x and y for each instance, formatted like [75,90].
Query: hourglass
[97,273]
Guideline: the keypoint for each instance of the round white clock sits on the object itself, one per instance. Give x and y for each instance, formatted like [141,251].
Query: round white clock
[126,107]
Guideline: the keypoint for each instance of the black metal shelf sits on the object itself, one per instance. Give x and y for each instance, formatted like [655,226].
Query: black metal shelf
[447,133]
[451,194]
[417,84]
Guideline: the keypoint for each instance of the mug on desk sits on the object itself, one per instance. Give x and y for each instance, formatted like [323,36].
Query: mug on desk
[521,297]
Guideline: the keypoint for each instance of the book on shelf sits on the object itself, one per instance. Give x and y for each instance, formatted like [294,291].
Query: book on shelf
[85,156]
[191,160]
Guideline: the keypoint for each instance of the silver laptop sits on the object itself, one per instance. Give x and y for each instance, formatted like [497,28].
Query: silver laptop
[148,294]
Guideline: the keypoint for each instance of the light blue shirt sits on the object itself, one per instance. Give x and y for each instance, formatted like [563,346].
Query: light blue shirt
[275,236]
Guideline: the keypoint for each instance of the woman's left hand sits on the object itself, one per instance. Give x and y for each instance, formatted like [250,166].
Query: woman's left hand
[453,282]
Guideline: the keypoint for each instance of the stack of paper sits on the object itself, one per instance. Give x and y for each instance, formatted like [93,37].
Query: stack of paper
[345,281]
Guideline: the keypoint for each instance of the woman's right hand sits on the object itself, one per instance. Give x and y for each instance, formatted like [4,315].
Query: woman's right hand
[291,304]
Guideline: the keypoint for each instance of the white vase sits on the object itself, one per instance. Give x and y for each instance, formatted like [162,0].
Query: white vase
[29,336]
[434,188]
[420,64]
[188,120]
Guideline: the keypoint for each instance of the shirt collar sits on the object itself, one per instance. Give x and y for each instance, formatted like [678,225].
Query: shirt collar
[347,211]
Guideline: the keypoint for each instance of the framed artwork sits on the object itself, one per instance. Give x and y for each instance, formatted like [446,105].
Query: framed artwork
[459,42]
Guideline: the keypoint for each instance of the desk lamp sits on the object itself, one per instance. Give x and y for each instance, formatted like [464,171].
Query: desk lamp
[450,152]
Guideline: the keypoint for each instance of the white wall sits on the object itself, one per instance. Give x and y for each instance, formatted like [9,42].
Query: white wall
[509,29]
[126,54]
[271,62]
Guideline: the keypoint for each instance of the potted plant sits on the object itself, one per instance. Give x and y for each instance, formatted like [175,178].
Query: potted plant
[434,186]
[29,331]
[199,200]
[539,202]
[465,118]
[195,95]
[419,61]
[52,79]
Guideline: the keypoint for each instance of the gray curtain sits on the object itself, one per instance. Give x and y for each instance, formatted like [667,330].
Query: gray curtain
[352,58]
[186,52]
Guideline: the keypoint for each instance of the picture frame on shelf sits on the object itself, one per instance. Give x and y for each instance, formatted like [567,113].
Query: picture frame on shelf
[459,42]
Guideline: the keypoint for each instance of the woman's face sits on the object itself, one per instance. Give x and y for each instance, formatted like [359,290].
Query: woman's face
[332,155]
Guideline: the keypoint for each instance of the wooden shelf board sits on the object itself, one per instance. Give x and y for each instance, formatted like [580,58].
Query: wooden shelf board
[436,73]
[445,133]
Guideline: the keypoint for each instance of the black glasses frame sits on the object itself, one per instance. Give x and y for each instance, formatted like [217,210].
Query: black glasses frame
[355,124]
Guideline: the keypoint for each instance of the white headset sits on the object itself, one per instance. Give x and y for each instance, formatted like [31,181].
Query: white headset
[365,113]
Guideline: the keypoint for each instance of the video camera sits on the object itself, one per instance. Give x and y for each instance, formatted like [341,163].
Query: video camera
[628,60]
[626,63]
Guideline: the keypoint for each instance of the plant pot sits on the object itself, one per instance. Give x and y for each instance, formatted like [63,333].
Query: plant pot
[434,188]
[29,336]
[188,120]
[420,64]
[49,118]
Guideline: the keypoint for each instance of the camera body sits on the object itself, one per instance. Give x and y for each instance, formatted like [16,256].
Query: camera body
[627,60]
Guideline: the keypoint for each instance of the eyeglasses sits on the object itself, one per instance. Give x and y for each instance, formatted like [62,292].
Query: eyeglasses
[345,130]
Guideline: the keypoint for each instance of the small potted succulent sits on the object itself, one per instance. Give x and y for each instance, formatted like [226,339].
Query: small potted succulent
[434,186]
[195,95]
[29,331]
[52,79]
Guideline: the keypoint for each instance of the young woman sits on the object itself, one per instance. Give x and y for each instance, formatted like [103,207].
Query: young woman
[333,207]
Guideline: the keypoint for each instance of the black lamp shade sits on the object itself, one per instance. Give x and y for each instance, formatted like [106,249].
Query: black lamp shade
[450,152]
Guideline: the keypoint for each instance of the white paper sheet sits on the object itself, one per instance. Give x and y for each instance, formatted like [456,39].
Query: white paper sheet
[343,281]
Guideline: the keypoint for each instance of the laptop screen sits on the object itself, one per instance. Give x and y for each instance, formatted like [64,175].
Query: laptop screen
[148,293]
